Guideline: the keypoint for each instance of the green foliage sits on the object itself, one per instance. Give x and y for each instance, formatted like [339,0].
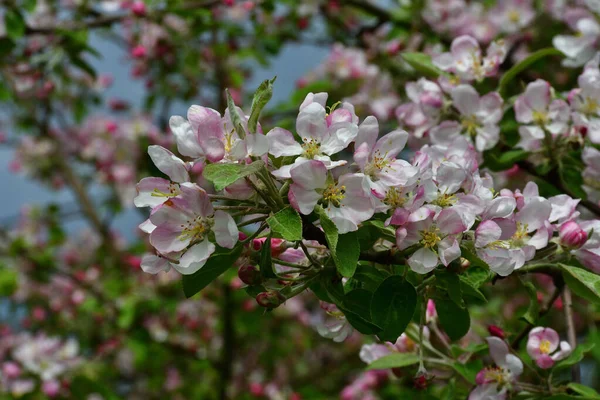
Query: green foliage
[261,97]
[531,315]
[576,356]
[395,360]
[266,262]
[219,262]
[502,160]
[345,260]
[582,282]
[421,62]
[287,224]
[512,73]
[8,281]
[14,23]
[392,307]
[223,175]
[453,318]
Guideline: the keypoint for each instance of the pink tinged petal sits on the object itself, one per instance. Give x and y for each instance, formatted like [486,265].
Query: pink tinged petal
[465,48]
[500,207]
[450,177]
[449,250]
[341,220]
[257,144]
[371,352]
[206,122]
[186,138]
[487,137]
[146,188]
[368,131]
[303,200]
[401,234]
[450,222]
[466,99]
[225,229]
[487,232]
[283,172]
[166,238]
[531,190]
[544,361]
[213,148]
[153,264]
[540,239]
[311,123]
[490,108]
[513,364]
[444,61]
[361,155]
[310,175]
[282,143]
[169,164]
[421,214]
[535,212]
[564,352]
[445,133]
[147,226]
[399,216]
[392,143]
[319,98]
[338,116]
[194,258]
[489,391]
[537,95]
[196,199]
[423,261]
[523,112]
[498,350]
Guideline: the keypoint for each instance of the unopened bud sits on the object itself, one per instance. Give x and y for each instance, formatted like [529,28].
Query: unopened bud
[138,52]
[420,382]
[270,299]
[571,235]
[496,331]
[250,275]
[138,8]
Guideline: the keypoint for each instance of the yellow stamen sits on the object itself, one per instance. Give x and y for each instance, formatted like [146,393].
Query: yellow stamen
[430,237]
[545,347]
[394,198]
[195,229]
[470,124]
[311,148]
[333,195]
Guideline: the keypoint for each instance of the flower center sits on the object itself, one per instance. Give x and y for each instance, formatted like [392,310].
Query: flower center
[540,117]
[172,191]
[229,141]
[590,106]
[195,229]
[394,198]
[430,238]
[514,16]
[311,148]
[334,194]
[520,236]
[593,183]
[545,347]
[445,200]
[470,124]
[380,163]
[497,374]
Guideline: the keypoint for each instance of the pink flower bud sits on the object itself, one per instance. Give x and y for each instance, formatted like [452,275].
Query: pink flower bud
[270,299]
[571,235]
[138,51]
[138,8]
[256,389]
[420,382]
[51,388]
[496,331]
[229,3]
[11,370]
[250,275]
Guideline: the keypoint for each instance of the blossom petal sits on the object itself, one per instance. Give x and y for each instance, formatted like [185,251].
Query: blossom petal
[169,164]
[225,229]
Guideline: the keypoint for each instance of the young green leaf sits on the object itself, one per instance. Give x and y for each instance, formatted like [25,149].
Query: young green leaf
[261,97]
[575,357]
[421,62]
[392,307]
[286,223]
[532,313]
[223,175]
[454,319]
[218,263]
[394,360]
[512,73]
[346,261]
[266,262]
[582,282]
[14,23]
[236,120]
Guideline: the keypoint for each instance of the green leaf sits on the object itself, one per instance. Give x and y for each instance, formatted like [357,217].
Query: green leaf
[583,390]
[575,357]
[261,97]
[582,282]
[356,308]
[223,175]
[421,62]
[14,23]
[469,370]
[454,319]
[394,360]
[392,307]
[473,259]
[217,264]
[532,313]
[8,281]
[469,290]
[83,65]
[287,223]
[368,276]
[505,160]
[236,120]
[266,262]
[127,313]
[450,282]
[571,177]
[512,73]
[346,261]
[385,232]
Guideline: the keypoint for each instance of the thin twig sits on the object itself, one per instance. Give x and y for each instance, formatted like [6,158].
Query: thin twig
[571,334]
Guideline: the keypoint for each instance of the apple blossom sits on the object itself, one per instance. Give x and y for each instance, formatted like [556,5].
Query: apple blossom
[542,345]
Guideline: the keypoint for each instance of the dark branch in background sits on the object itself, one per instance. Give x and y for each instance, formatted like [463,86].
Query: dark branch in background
[226,362]
[553,178]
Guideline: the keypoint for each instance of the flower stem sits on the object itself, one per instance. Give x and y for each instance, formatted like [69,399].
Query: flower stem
[571,334]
